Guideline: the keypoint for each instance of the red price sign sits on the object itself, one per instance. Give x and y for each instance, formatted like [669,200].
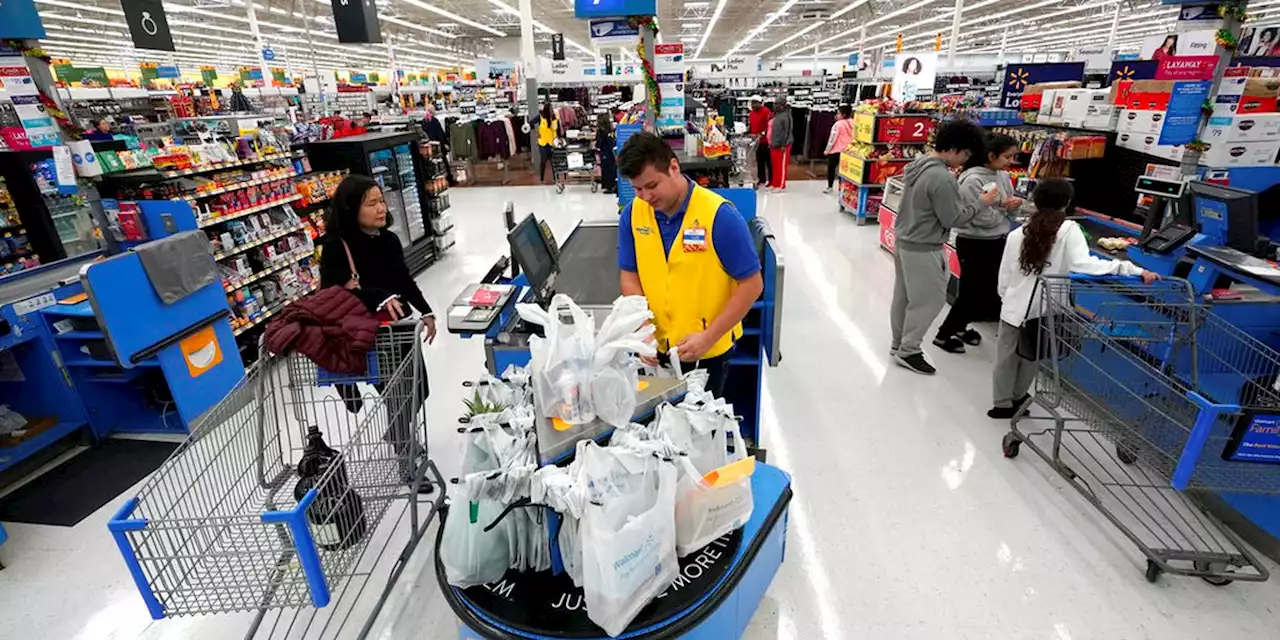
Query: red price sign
[898,129]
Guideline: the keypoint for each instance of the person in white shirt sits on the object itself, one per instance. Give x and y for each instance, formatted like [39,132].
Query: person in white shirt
[1048,245]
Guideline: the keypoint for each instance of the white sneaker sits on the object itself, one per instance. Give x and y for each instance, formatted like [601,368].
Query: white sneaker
[827,190]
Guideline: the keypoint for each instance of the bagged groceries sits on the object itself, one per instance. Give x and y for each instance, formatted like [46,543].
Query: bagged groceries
[615,372]
[472,556]
[627,532]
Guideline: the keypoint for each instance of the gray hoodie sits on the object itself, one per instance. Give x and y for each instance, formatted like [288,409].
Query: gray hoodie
[991,221]
[931,206]
[781,134]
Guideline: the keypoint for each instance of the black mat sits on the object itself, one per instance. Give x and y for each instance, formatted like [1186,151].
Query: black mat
[73,490]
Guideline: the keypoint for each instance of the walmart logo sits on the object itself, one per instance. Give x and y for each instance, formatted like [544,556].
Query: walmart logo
[1018,79]
[1126,73]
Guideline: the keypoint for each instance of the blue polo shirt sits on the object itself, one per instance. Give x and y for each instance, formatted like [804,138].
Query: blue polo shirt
[729,234]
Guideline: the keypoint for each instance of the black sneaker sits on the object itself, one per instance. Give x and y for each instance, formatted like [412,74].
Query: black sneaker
[950,344]
[1007,413]
[916,363]
[971,337]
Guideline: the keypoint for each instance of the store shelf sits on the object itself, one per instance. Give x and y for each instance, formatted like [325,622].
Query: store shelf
[248,212]
[256,243]
[236,187]
[289,259]
[153,173]
[276,309]
[860,185]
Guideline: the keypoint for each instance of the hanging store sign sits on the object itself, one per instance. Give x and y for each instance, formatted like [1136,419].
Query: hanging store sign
[1187,43]
[1017,77]
[557,46]
[1202,15]
[1257,41]
[1182,121]
[1132,70]
[148,25]
[608,64]
[606,8]
[356,21]
[168,71]
[561,70]
[268,54]
[669,67]
[914,75]
[612,32]
[19,20]
[741,65]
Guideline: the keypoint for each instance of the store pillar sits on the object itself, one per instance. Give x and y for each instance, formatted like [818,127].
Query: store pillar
[1111,36]
[530,59]
[257,40]
[955,35]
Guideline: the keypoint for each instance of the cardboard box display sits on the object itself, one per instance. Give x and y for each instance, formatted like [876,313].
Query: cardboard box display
[1140,121]
[1241,154]
[1261,88]
[1101,118]
[1242,128]
[1119,94]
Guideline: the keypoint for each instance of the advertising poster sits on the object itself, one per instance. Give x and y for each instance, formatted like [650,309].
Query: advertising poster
[1017,77]
[669,67]
[1187,43]
[24,122]
[1259,41]
[611,32]
[914,75]
[1186,68]
[1182,121]
[1132,70]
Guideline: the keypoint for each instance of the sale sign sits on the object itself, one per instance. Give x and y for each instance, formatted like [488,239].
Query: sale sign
[1186,68]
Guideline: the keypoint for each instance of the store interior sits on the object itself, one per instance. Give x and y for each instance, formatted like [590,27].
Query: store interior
[235,403]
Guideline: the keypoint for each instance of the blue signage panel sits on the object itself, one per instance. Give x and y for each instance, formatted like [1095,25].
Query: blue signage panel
[1018,76]
[612,28]
[168,71]
[1182,121]
[1132,70]
[610,8]
[268,54]
[18,19]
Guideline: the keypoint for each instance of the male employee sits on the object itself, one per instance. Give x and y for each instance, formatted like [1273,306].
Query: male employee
[690,253]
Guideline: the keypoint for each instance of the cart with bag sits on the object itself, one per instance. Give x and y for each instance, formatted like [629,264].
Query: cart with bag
[574,163]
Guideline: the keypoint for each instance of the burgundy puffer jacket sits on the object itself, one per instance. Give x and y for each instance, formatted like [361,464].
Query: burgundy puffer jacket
[333,328]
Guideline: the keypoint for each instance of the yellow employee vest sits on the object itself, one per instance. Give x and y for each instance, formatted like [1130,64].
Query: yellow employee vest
[689,288]
[547,131]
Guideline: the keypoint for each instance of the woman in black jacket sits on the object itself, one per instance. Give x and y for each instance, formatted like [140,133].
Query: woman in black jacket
[604,144]
[358,253]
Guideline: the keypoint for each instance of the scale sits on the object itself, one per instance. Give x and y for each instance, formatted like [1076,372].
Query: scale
[1157,235]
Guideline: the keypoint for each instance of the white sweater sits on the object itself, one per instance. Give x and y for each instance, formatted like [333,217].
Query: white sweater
[1070,254]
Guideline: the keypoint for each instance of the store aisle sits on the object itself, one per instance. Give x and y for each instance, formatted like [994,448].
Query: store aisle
[907,522]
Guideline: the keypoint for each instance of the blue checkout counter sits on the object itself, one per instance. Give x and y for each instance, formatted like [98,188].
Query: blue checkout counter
[88,347]
[721,585]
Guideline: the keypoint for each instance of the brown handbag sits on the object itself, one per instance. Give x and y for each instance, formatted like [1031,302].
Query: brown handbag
[354,281]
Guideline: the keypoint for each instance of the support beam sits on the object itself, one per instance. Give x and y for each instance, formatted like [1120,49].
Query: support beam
[1111,36]
[954,43]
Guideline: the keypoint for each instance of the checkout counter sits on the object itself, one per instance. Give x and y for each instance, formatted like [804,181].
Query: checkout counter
[720,586]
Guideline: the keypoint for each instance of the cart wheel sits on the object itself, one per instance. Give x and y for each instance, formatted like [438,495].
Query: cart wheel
[560,188]
[1125,455]
[1011,445]
[1217,581]
[1153,571]
[595,188]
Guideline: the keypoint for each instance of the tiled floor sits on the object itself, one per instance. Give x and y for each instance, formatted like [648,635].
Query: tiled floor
[907,522]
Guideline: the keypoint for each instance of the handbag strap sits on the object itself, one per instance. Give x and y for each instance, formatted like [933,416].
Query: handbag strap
[351,262]
[1026,315]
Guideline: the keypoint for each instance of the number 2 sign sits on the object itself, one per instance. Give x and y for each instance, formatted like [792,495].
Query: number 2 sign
[899,129]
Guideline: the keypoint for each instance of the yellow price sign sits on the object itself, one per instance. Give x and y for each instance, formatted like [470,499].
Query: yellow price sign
[852,167]
[864,127]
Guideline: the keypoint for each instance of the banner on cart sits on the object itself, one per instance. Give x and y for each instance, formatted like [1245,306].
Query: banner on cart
[1182,121]
[669,67]
[148,25]
[1017,77]
[611,32]
[1132,70]
[914,75]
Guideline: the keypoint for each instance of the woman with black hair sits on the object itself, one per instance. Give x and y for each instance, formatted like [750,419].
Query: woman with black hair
[548,129]
[1048,245]
[608,160]
[359,253]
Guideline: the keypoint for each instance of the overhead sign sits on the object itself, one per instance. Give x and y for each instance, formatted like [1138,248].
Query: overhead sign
[612,31]
[268,54]
[168,71]
[607,8]
[741,65]
[608,64]
[562,70]
[148,25]
[914,75]
[356,21]
[1018,76]
[1186,43]
[1259,41]
[19,20]
[557,46]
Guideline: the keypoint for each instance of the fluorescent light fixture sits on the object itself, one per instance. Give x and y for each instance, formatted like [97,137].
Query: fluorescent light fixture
[715,15]
[769,19]
[452,16]
[816,25]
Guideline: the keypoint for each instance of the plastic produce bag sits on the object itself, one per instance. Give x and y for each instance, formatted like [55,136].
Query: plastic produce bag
[470,555]
[561,364]
[627,533]
[615,381]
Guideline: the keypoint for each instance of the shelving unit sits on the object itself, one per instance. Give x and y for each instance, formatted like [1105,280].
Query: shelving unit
[246,212]
[861,177]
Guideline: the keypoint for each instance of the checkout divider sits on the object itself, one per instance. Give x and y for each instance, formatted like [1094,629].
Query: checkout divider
[720,586]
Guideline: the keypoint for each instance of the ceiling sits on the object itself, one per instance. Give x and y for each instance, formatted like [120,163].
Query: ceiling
[436,34]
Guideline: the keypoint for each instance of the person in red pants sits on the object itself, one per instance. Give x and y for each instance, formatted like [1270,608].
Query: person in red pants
[780,140]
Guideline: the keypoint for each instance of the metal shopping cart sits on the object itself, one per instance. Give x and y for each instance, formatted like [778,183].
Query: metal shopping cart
[744,159]
[1145,390]
[575,162]
[226,524]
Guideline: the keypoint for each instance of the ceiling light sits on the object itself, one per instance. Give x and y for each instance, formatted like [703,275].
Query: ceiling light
[769,19]
[850,7]
[696,5]
[715,16]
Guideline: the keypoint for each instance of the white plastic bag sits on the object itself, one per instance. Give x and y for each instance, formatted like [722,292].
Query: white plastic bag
[705,512]
[616,377]
[558,488]
[470,555]
[701,429]
[561,364]
[627,533]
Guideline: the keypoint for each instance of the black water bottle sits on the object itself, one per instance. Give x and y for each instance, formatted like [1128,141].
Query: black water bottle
[337,515]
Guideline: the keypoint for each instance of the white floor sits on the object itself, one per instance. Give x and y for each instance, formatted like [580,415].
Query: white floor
[907,521]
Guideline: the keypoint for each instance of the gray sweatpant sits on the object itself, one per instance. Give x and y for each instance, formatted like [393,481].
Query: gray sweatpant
[919,293]
[1013,375]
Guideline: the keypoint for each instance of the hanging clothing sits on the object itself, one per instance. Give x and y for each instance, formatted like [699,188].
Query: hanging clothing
[462,140]
[511,136]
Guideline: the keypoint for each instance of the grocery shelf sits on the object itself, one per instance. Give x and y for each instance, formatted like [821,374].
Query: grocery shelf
[289,259]
[247,212]
[260,241]
[153,173]
[237,186]
[859,184]
[276,309]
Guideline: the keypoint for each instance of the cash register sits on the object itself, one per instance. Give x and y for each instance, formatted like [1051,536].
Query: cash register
[479,305]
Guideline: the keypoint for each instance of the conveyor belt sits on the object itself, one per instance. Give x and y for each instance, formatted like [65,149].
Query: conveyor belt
[589,266]
[17,288]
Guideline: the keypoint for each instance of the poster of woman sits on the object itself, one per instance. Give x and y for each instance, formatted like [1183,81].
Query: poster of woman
[1259,41]
[1187,43]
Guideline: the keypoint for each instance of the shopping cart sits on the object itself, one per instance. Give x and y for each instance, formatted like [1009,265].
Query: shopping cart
[1144,388]
[744,159]
[226,524]
[576,163]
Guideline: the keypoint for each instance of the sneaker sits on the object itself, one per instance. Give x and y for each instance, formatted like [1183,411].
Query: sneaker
[970,337]
[917,363]
[827,190]
[1007,413]
[950,344]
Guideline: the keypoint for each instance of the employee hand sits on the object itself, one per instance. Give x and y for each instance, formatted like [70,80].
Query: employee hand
[394,309]
[1012,203]
[990,197]
[694,346]
[429,324]
[1149,277]
[649,361]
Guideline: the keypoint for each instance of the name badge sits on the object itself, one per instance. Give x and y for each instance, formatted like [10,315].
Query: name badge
[695,239]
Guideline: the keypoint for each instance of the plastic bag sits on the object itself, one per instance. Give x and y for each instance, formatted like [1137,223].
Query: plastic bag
[616,377]
[561,364]
[627,533]
[705,512]
[558,488]
[470,555]
[701,429]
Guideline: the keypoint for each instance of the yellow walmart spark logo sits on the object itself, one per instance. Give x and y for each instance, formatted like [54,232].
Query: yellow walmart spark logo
[1126,73]
[1018,79]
